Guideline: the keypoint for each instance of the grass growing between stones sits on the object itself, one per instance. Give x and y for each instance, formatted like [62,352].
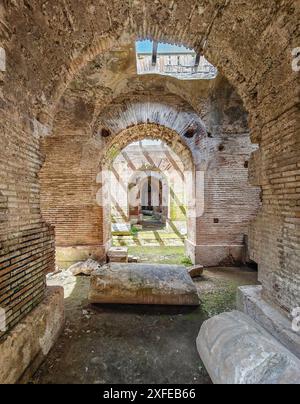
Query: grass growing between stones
[218,288]
[219,301]
[159,255]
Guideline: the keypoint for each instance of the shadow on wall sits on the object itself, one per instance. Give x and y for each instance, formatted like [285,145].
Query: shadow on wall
[3,210]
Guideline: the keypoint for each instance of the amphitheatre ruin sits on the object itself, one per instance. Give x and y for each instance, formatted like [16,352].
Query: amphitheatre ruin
[149,192]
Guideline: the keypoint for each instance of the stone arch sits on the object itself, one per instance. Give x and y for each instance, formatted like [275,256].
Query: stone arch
[206,31]
[148,131]
[166,112]
[251,43]
[134,134]
[169,111]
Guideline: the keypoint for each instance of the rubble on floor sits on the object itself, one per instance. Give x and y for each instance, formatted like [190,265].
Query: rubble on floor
[196,271]
[84,268]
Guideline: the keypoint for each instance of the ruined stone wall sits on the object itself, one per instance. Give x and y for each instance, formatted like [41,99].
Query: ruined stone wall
[69,181]
[47,43]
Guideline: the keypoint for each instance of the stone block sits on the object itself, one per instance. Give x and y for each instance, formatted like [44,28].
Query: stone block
[196,271]
[251,302]
[24,348]
[118,254]
[143,284]
[237,350]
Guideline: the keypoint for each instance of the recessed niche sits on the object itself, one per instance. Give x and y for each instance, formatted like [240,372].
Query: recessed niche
[105,132]
[191,131]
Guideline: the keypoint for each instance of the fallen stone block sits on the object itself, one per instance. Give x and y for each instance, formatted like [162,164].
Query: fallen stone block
[237,350]
[133,260]
[196,271]
[143,284]
[118,254]
[84,268]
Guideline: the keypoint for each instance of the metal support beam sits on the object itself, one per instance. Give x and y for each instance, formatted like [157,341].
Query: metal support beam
[197,61]
[154,53]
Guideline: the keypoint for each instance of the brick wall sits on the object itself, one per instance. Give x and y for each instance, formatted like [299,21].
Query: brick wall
[69,198]
[26,241]
[276,232]
[230,202]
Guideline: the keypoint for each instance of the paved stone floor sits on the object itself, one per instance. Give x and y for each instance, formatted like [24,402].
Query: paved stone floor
[136,344]
[151,238]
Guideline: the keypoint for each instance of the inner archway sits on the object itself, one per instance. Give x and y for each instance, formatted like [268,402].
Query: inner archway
[254,45]
[154,201]
[149,191]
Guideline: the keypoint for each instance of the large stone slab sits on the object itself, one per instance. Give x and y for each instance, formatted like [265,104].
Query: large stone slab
[251,302]
[143,284]
[24,348]
[237,350]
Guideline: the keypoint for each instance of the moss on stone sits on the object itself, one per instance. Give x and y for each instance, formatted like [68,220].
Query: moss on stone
[220,299]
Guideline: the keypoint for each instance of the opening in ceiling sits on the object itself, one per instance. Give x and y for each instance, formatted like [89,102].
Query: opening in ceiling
[174,61]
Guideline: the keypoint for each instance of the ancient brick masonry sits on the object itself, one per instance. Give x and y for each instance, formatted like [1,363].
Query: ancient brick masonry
[250,42]
[27,243]
[68,177]
[71,200]
[275,237]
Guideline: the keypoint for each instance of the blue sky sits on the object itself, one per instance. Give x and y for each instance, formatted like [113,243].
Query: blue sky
[146,46]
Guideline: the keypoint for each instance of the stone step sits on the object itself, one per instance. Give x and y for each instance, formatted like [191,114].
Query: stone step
[237,350]
[250,301]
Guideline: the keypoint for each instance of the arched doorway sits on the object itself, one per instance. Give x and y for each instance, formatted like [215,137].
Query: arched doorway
[149,199]
[148,183]
[233,36]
